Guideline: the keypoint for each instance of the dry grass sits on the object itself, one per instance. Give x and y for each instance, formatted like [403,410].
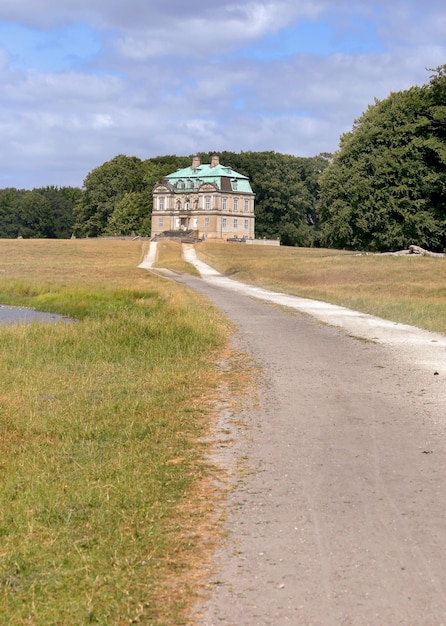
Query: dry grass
[107,496]
[169,257]
[405,289]
[105,500]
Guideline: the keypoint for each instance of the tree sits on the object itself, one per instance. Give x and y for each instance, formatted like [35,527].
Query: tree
[131,216]
[117,196]
[385,187]
[43,212]
[104,188]
[9,218]
[61,201]
[35,216]
[286,189]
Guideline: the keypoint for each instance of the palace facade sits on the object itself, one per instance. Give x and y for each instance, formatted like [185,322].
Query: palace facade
[211,201]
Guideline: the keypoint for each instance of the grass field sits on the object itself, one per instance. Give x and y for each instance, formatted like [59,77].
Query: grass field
[404,289]
[105,495]
[106,503]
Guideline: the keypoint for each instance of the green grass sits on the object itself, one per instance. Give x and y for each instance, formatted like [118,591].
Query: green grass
[102,471]
[106,507]
[410,290]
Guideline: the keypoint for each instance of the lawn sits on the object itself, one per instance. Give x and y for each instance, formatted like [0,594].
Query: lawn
[106,509]
[107,499]
[408,289]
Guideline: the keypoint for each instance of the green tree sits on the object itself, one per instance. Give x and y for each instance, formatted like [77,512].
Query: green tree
[117,196]
[43,212]
[9,212]
[385,187]
[62,201]
[131,216]
[35,216]
[286,189]
[104,188]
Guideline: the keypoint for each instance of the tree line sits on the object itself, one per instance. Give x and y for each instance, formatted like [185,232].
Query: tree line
[385,188]
[47,212]
[117,198]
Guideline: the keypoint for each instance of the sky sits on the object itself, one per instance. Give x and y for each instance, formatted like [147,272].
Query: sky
[82,81]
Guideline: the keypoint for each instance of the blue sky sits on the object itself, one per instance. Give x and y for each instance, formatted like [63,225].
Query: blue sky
[85,80]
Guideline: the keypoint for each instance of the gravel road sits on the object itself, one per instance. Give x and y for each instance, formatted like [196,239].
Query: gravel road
[340,515]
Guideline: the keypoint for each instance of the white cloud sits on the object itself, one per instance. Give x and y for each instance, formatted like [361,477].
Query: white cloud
[207,34]
[169,79]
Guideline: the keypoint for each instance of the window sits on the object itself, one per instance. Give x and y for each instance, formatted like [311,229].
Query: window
[161,222]
[190,184]
[207,203]
[195,222]
[225,223]
[235,223]
[234,184]
[187,205]
[180,184]
[235,204]
[246,206]
[161,204]
[225,202]
[246,224]
[206,222]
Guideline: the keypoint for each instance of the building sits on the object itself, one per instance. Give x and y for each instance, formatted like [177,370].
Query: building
[213,201]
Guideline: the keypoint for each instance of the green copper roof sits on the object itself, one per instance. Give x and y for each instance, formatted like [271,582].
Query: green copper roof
[219,175]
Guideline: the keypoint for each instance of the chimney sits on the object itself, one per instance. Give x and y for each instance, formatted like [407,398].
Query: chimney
[196,161]
[215,161]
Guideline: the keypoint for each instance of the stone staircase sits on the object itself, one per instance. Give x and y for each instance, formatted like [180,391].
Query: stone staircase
[184,236]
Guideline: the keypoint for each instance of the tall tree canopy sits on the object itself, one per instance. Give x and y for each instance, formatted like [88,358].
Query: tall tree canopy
[104,188]
[43,212]
[385,188]
[117,196]
[286,189]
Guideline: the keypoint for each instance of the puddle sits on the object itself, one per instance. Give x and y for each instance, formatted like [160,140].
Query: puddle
[23,315]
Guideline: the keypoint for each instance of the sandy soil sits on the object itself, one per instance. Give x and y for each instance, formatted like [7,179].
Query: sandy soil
[339,516]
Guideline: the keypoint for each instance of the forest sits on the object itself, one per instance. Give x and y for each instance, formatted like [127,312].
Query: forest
[38,213]
[384,189]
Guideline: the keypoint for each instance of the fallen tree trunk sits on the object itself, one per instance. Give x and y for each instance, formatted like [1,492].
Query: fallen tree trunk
[422,252]
[416,251]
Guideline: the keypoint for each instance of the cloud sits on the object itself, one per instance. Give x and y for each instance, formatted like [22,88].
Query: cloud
[208,32]
[85,80]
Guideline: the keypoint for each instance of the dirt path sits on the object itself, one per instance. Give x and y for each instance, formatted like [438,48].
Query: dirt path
[341,517]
